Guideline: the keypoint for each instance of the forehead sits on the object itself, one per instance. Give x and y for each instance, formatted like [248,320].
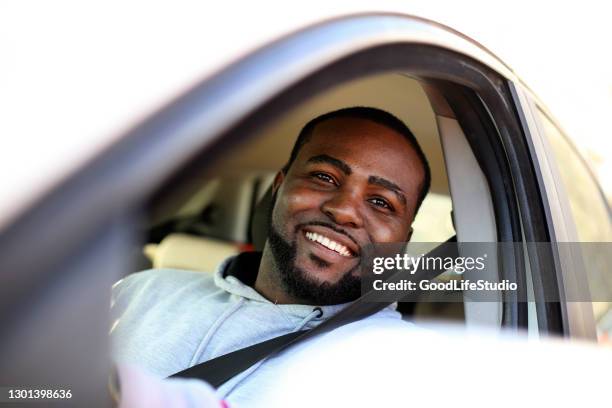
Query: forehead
[367,147]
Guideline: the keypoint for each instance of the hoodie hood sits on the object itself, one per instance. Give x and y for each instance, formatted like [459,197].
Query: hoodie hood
[237,274]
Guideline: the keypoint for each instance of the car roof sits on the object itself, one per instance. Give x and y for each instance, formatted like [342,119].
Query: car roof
[87,74]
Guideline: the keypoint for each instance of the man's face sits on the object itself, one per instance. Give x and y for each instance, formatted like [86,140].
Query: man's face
[354,183]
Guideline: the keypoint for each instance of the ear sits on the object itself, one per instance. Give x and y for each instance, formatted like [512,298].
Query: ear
[278,180]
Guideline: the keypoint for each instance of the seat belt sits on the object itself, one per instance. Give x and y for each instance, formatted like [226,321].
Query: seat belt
[220,369]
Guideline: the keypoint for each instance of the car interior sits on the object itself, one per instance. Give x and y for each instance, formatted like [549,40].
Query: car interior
[220,211]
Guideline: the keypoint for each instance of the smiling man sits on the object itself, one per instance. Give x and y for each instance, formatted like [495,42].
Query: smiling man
[355,177]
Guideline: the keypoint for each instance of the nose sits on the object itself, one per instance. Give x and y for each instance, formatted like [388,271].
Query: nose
[344,208]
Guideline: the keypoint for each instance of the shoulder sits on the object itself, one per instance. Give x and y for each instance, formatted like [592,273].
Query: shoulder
[161,279]
[160,276]
[154,285]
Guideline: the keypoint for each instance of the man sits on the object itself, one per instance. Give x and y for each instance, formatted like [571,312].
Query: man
[355,177]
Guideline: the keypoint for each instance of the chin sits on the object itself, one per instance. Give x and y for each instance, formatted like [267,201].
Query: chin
[321,271]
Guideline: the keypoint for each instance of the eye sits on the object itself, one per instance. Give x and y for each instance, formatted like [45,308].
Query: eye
[324,177]
[382,203]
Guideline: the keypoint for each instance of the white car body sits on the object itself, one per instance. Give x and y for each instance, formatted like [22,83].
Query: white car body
[87,82]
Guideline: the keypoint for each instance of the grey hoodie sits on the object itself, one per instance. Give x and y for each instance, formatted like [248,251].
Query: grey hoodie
[167,320]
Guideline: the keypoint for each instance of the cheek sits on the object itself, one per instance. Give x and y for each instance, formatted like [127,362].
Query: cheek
[293,201]
[297,199]
[388,231]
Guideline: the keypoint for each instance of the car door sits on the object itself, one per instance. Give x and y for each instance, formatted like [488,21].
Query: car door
[62,255]
[580,222]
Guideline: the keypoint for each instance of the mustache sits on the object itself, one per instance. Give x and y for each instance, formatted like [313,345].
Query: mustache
[331,227]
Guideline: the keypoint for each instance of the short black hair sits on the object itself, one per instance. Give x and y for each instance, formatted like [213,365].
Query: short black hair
[375,115]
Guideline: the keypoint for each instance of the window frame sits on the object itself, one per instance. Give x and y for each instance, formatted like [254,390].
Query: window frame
[132,168]
[569,278]
[232,104]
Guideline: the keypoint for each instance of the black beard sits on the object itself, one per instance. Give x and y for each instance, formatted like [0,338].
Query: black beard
[299,285]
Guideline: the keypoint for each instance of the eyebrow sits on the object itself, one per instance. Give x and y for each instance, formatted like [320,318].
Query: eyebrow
[324,158]
[389,185]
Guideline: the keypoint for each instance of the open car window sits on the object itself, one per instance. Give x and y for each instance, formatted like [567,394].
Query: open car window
[182,191]
[209,215]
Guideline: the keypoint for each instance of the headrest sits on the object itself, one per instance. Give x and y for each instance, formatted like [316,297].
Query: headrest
[183,251]
[259,221]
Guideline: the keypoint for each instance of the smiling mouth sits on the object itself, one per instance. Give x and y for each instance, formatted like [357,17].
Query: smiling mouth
[329,244]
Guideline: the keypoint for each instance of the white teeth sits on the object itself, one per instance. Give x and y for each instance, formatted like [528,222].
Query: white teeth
[328,243]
